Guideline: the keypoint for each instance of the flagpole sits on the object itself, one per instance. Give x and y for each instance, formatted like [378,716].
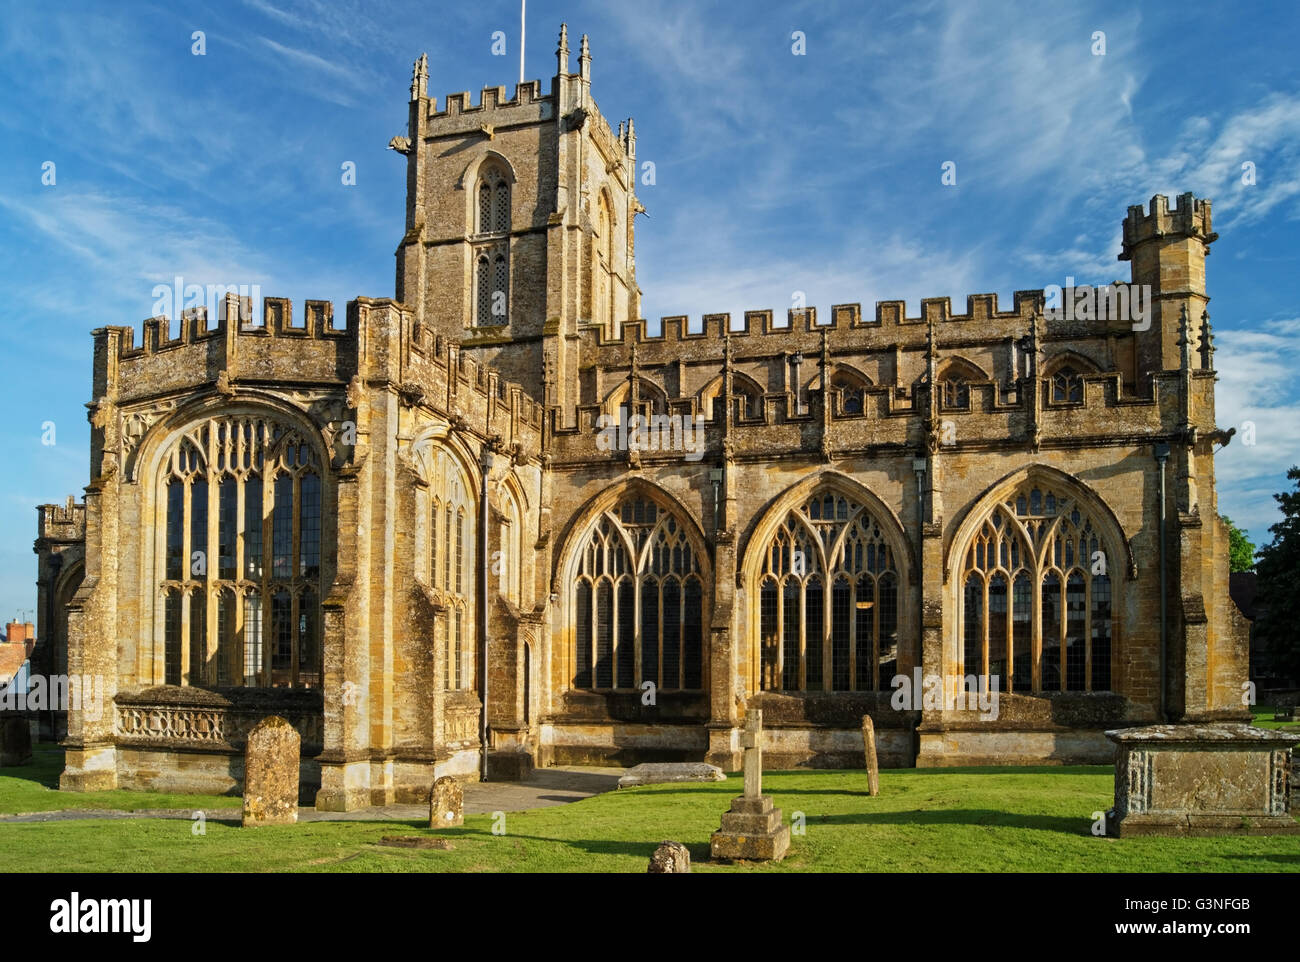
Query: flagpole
[523,5]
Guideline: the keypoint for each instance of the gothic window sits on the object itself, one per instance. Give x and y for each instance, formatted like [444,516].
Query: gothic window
[491,248]
[1067,386]
[249,614]
[638,602]
[493,200]
[1036,598]
[828,600]
[848,393]
[451,566]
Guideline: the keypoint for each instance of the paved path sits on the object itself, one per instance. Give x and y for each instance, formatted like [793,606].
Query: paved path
[544,788]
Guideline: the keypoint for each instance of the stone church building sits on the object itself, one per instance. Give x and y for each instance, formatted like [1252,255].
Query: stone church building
[494,522]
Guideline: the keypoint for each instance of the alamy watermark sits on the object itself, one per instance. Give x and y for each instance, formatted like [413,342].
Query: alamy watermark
[83,693]
[919,692]
[653,432]
[172,300]
[1110,302]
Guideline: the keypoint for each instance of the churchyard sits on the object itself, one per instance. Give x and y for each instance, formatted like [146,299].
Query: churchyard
[923,820]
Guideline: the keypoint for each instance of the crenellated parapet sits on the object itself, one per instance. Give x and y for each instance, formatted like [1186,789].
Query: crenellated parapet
[802,329]
[61,522]
[1190,217]
[460,113]
[315,364]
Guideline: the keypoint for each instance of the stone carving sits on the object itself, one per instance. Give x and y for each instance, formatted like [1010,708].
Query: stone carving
[206,726]
[400,144]
[1214,779]
[271,774]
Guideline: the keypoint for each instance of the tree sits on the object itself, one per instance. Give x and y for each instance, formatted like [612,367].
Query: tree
[1277,597]
[1241,550]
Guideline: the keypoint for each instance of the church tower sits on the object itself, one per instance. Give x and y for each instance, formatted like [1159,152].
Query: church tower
[519,224]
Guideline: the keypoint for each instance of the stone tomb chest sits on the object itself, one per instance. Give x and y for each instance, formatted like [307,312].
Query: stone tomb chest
[1215,779]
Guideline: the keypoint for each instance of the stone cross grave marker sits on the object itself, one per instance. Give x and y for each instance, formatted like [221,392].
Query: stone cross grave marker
[752,742]
[752,828]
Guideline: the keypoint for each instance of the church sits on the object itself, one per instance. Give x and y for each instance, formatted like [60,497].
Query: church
[498,521]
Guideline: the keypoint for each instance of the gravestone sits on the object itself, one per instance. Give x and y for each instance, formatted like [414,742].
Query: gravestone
[658,773]
[752,828]
[670,858]
[1211,779]
[869,746]
[271,773]
[15,740]
[446,803]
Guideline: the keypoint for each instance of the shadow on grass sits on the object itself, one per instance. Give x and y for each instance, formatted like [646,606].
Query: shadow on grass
[982,817]
[44,768]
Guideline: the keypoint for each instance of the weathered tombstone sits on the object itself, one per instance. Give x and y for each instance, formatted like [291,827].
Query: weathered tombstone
[670,858]
[446,803]
[659,773]
[1211,779]
[869,746]
[15,740]
[271,773]
[752,829]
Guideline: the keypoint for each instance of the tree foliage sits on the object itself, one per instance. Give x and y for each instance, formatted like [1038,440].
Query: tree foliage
[1241,550]
[1277,597]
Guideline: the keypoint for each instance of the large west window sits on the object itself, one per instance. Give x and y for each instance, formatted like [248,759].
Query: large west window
[828,600]
[1037,592]
[240,539]
[638,602]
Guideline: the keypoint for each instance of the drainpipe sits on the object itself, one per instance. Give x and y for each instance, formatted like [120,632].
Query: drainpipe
[51,660]
[919,466]
[1162,455]
[483,614]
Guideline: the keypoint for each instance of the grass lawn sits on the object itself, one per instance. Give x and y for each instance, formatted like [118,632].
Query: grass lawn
[1262,717]
[975,820]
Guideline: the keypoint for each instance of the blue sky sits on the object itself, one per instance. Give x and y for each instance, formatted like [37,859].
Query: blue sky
[775,173]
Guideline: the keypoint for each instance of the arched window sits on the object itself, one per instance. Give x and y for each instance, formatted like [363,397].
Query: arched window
[491,247]
[451,566]
[512,543]
[493,200]
[828,600]
[848,393]
[1067,385]
[251,488]
[1039,550]
[638,602]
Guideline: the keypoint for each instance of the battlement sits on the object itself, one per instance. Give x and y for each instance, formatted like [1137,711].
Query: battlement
[490,99]
[843,317]
[61,522]
[196,325]
[1190,218]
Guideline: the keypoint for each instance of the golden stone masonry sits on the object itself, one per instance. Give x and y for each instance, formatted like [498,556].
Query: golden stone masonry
[407,535]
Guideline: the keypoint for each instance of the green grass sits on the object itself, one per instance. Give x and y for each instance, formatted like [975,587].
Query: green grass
[1263,718]
[34,787]
[974,820]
